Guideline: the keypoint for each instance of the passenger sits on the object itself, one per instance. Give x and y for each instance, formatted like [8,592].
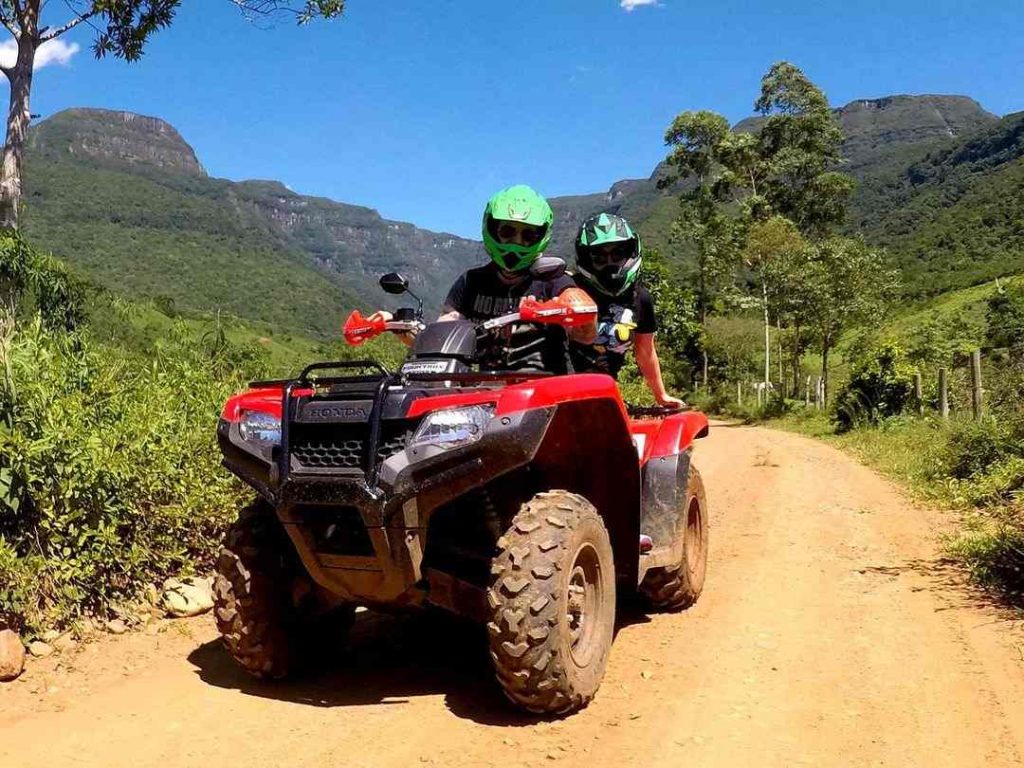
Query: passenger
[608,260]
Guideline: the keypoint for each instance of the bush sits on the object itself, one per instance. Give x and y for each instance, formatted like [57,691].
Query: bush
[109,475]
[1005,316]
[881,385]
[994,554]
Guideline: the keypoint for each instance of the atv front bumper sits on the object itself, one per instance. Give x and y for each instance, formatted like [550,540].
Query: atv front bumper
[365,542]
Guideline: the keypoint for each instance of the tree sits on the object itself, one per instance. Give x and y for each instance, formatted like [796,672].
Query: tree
[846,285]
[771,245]
[122,28]
[800,143]
[774,184]
[678,330]
[696,139]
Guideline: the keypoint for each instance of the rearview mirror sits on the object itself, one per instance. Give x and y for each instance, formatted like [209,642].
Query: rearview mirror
[394,283]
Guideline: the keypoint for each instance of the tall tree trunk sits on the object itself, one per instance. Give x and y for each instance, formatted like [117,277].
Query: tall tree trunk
[18,117]
[796,360]
[782,376]
[767,336]
[704,348]
[826,344]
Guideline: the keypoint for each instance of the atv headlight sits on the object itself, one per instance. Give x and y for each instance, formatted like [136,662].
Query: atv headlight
[453,427]
[260,427]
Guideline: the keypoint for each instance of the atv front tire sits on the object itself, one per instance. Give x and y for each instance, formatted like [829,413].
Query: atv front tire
[255,594]
[552,604]
[677,587]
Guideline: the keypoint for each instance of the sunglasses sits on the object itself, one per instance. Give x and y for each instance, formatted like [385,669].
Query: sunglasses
[613,254]
[519,234]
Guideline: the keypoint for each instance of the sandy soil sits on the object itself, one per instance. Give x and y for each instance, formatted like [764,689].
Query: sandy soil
[830,633]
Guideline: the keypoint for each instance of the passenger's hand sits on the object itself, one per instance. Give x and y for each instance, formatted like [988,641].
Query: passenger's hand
[667,401]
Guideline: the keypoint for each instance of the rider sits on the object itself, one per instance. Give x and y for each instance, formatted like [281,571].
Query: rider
[608,260]
[516,230]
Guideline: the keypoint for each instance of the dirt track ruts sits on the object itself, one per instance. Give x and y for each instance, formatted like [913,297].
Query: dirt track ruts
[830,633]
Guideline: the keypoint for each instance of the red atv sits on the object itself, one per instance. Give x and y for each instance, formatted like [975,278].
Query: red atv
[520,499]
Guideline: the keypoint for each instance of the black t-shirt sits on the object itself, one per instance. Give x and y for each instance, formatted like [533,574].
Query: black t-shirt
[480,294]
[619,318]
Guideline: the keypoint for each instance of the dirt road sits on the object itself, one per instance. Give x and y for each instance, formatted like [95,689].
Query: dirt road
[829,633]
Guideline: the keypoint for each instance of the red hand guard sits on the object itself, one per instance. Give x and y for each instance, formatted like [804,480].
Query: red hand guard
[359,329]
[573,308]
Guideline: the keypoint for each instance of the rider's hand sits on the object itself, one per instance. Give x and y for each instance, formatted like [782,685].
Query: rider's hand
[381,314]
[667,401]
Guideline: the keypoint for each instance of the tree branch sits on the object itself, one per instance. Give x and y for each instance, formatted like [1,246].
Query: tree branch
[50,34]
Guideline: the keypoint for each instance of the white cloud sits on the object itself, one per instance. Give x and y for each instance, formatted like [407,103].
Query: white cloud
[631,5]
[53,52]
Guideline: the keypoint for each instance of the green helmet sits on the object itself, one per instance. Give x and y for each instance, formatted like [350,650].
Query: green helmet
[516,213]
[608,253]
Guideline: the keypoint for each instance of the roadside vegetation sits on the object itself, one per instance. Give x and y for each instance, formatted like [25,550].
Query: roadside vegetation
[110,479]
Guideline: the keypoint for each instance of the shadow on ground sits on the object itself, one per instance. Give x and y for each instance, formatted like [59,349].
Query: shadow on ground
[390,659]
[948,580]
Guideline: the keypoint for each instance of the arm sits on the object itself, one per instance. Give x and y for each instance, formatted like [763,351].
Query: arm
[650,366]
[448,314]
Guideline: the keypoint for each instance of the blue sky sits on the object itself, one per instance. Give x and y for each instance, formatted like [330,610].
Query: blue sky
[423,109]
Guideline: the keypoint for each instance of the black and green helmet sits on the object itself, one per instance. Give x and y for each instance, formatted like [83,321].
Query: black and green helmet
[517,227]
[608,253]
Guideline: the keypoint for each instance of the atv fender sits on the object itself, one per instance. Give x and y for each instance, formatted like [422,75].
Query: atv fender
[666,466]
[587,449]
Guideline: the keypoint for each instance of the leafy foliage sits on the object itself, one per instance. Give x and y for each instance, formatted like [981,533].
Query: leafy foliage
[881,385]
[1005,316]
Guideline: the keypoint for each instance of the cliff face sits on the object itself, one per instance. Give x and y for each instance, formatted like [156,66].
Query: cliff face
[115,137]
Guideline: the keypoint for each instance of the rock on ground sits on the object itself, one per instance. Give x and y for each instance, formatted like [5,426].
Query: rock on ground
[39,649]
[12,655]
[187,597]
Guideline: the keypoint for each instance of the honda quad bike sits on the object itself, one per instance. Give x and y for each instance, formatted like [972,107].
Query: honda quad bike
[523,500]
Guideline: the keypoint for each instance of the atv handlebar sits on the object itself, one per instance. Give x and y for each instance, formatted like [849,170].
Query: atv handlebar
[566,311]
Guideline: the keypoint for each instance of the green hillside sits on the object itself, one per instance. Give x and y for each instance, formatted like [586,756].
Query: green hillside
[953,216]
[124,200]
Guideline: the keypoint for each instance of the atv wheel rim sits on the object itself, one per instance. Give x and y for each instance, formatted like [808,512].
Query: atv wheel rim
[583,604]
[696,552]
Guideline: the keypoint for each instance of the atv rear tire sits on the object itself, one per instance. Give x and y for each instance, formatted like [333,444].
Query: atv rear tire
[552,604]
[677,587]
[253,593]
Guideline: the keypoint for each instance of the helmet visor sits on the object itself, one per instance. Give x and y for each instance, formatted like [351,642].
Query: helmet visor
[518,233]
[611,256]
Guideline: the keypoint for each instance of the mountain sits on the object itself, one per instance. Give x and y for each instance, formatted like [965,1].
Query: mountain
[882,137]
[124,199]
[953,215]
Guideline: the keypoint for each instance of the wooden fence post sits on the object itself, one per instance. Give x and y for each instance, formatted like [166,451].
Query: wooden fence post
[976,383]
[739,393]
[820,390]
[943,394]
[918,394]
[807,394]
